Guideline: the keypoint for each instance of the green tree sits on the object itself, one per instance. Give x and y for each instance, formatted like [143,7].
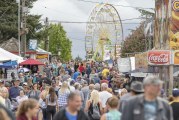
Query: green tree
[58,42]
[9,20]
[135,42]
[146,13]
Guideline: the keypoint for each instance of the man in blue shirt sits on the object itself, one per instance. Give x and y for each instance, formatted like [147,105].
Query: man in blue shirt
[76,74]
[14,91]
[73,110]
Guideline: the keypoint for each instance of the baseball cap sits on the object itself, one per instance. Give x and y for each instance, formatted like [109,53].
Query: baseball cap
[137,86]
[152,80]
[175,92]
[25,83]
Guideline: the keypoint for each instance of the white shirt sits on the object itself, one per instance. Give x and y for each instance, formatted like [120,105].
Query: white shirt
[104,95]
[21,99]
[72,89]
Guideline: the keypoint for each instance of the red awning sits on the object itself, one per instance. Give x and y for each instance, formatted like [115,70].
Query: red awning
[31,62]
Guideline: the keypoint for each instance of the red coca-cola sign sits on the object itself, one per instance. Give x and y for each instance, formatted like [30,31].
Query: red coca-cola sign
[161,57]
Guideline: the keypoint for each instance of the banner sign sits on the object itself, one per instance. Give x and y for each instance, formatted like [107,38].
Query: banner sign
[124,65]
[32,44]
[159,57]
[108,52]
[162,23]
[41,56]
[174,30]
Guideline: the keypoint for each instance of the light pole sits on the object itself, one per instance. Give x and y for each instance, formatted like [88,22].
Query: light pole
[19,19]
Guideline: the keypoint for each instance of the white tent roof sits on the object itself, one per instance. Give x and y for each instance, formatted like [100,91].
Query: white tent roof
[10,56]
[4,58]
[41,51]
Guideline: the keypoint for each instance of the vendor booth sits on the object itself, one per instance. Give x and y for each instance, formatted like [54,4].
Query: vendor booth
[8,64]
[9,56]
[42,55]
[32,64]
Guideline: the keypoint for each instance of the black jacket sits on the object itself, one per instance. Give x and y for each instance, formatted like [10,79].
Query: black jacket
[61,115]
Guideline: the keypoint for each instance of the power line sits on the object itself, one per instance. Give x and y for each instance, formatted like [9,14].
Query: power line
[88,1]
[104,22]
[70,22]
[59,11]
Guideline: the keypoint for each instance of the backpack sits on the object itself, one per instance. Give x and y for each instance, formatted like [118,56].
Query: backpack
[94,111]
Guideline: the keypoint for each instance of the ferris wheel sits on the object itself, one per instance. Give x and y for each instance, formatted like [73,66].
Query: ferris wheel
[104,33]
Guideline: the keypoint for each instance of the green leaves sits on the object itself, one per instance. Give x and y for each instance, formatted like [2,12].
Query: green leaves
[146,13]
[58,42]
[9,21]
[134,42]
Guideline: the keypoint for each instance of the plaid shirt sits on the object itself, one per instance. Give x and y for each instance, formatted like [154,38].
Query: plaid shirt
[62,98]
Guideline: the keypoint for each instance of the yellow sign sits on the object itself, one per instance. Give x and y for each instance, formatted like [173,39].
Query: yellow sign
[41,56]
[176,57]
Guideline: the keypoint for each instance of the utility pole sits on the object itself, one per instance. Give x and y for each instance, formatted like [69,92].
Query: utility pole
[47,37]
[23,28]
[19,24]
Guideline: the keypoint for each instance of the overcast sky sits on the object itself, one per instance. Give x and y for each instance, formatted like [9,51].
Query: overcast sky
[76,10]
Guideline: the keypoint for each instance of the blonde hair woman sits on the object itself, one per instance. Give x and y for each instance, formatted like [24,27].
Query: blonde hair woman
[63,94]
[4,93]
[2,100]
[42,101]
[94,106]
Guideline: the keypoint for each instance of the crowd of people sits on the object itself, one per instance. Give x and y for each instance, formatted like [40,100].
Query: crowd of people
[85,91]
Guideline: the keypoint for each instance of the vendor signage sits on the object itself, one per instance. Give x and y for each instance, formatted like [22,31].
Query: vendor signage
[141,61]
[41,56]
[124,65]
[32,44]
[159,57]
[176,57]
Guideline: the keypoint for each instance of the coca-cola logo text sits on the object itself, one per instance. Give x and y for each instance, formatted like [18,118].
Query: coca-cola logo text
[159,58]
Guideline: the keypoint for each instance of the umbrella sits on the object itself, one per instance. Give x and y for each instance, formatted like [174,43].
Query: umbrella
[23,70]
[31,62]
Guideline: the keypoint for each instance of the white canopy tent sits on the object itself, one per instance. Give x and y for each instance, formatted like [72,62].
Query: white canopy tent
[9,56]
[41,51]
[4,58]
